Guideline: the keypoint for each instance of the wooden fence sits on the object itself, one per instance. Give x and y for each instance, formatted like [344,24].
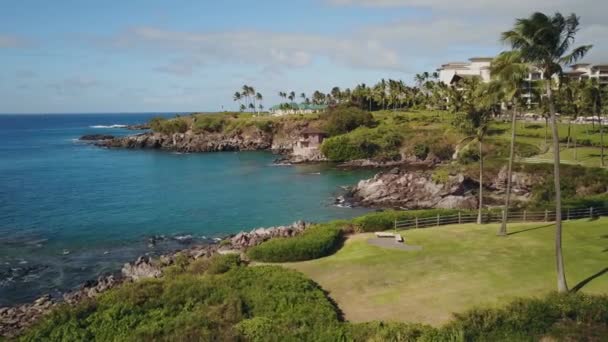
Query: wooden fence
[496,217]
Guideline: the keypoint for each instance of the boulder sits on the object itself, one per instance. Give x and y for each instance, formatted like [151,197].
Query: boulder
[142,268]
[412,190]
[96,137]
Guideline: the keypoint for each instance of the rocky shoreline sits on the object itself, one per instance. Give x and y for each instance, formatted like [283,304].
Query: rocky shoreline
[418,189]
[13,320]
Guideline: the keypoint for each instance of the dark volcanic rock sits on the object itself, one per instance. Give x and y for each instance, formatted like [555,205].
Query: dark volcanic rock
[96,137]
[190,142]
[413,190]
[140,127]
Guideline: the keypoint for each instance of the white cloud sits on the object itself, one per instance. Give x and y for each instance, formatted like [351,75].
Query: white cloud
[256,47]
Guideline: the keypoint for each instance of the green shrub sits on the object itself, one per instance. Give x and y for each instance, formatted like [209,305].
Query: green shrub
[343,119]
[171,126]
[209,123]
[380,142]
[313,243]
[379,221]
[421,151]
[223,263]
[233,306]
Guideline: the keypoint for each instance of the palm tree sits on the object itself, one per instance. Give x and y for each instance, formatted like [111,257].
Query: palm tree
[509,72]
[476,123]
[292,96]
[545,42]
[242,107]
[303,96]
[259,98]
[237,97]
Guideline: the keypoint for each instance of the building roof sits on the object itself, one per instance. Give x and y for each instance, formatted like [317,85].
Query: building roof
[300,106]
[481,59]
[580,65]
[312,130]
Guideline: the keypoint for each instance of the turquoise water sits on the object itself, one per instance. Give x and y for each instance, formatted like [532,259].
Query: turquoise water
[69,210]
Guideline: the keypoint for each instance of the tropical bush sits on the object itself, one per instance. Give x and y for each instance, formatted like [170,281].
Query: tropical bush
[246,303]
[384,220]
[343,119]
[209,123]
[313,243]
[380,142]
[171,126]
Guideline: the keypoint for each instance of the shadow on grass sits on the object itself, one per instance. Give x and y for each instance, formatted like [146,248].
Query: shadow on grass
[588,280]
[529,229]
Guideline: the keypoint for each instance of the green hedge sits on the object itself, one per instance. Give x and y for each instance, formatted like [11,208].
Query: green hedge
[384,220]
[315,242]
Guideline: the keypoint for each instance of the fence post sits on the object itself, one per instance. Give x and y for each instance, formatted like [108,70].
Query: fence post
[437,220]
[591,212]
[546,215]
[459,218]
[416,222]
[524,215]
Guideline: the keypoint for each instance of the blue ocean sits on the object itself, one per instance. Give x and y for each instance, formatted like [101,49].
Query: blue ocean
[70,211]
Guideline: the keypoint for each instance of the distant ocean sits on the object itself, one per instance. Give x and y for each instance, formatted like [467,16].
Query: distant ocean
[70,210]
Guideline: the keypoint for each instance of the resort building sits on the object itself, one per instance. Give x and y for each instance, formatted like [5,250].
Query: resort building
[296,108]
[585,71]
[453,72]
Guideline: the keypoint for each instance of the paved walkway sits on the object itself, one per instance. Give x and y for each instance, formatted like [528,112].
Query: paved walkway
[392,244]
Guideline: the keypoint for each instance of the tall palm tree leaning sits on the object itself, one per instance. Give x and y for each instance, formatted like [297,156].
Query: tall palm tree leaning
[545,42]
[508,72]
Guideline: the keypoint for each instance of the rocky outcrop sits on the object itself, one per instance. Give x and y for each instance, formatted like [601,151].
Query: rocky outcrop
[140,127]
[96,137]
[142,268]
[255,237]
[413,190]
[190,142]
[14,319]
[521,182]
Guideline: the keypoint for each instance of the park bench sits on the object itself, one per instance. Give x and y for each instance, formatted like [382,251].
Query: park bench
[384,235]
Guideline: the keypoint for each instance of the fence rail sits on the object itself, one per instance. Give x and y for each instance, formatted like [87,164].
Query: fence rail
[494,217]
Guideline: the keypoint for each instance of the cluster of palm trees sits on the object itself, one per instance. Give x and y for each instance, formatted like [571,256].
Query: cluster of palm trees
[248,98]
[544,43]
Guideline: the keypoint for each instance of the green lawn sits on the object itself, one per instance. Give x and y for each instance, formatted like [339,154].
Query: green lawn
[585,156]
[458,268]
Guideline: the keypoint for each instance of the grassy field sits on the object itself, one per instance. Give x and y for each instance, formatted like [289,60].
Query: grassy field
[458,268]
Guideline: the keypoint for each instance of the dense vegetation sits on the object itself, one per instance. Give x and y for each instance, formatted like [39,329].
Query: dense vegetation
[268,303]
[315,242]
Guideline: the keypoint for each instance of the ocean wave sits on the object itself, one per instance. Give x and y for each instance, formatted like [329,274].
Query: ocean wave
[108,126]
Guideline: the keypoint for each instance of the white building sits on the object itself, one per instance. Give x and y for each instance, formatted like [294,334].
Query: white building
[585,71]
[451,73]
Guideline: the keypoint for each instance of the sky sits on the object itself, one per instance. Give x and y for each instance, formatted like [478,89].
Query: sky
[85,56]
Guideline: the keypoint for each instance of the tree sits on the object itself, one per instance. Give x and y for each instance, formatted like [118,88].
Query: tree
[509,71]
[545,42]
[476,119]
[237,97]
[292,96]
[259,98]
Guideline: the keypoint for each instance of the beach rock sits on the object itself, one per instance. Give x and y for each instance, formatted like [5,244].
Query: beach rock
[96,137]
[255,237]
[142,268]
[412,190]
[139,127]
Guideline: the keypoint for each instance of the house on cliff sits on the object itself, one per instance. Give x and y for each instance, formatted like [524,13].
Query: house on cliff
[308,145]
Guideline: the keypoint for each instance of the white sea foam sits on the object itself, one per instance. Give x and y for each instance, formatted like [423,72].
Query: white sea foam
[108,126]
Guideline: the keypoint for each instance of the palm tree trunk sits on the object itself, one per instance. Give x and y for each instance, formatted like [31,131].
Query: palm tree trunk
[479,214]
[569,130]
[562,285]
[505,213]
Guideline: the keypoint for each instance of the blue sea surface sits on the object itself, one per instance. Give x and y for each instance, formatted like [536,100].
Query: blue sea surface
[70,210]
